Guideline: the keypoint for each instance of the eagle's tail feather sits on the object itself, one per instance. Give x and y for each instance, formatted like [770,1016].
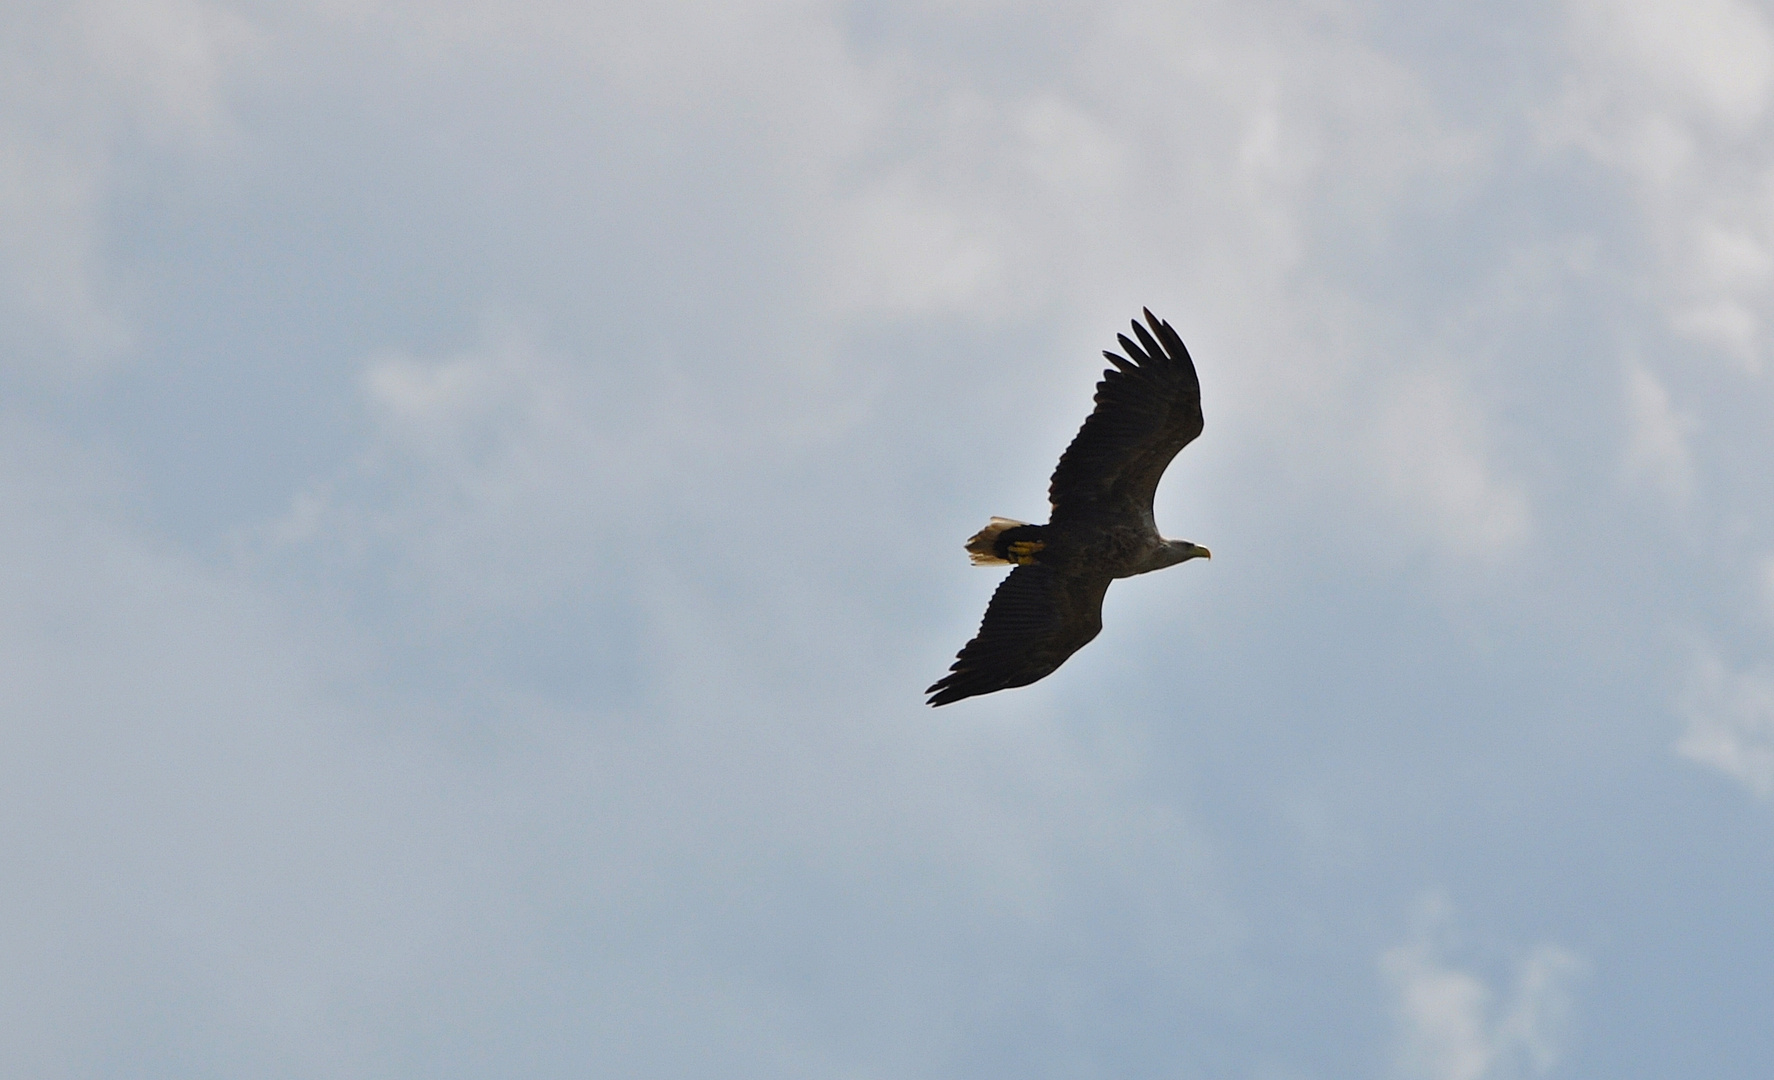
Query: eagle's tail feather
[1005,542]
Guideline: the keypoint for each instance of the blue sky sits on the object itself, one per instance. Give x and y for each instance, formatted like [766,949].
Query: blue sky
[482,487]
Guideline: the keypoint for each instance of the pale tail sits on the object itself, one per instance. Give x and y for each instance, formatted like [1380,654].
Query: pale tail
[982,547]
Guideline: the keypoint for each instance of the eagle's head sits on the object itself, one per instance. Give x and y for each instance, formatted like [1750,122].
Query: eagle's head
[1171,552]
[1176,551]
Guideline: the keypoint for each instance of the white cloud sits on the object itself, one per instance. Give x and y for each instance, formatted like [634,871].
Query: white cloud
[168,61]
[77,81]
[496,478]
[1730,723]
[909,256]
[48,235]
[1716,56]
[1454,1025]
[1430,442]
[1730,326]
[1657,442]
[510,475]
[1673,96]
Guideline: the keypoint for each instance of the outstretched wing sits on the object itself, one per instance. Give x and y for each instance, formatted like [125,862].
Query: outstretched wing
[1037,618]
[1148,406]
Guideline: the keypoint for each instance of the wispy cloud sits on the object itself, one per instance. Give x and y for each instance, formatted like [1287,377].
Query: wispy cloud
[78,81]
[1657,451]
[1674,96]
[1431,448]
[1730,722]
[1453,1024]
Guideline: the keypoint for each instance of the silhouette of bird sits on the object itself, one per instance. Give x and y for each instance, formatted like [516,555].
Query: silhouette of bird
[1148,407]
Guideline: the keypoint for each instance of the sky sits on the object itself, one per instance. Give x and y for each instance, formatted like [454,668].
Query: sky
[483,484]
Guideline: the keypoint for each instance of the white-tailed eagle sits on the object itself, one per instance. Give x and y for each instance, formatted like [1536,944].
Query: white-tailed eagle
[1148,407]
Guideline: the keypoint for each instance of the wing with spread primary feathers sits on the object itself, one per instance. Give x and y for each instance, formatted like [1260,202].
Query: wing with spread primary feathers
[1037,618]
[1148,406]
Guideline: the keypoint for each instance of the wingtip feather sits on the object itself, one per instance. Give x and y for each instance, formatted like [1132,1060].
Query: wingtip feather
[1146,339]
[1166,335]
[1132,350]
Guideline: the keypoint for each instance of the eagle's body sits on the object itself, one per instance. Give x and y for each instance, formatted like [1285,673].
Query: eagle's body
[1148,407]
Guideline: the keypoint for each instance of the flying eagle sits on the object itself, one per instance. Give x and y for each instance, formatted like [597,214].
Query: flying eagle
[1148,407]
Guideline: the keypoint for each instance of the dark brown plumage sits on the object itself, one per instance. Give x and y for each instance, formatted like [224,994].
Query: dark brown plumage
[1148,407]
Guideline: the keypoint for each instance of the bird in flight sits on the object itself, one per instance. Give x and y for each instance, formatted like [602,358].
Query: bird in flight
[1148,407]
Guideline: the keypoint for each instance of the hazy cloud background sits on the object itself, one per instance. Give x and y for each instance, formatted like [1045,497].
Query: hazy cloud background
[482,485]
